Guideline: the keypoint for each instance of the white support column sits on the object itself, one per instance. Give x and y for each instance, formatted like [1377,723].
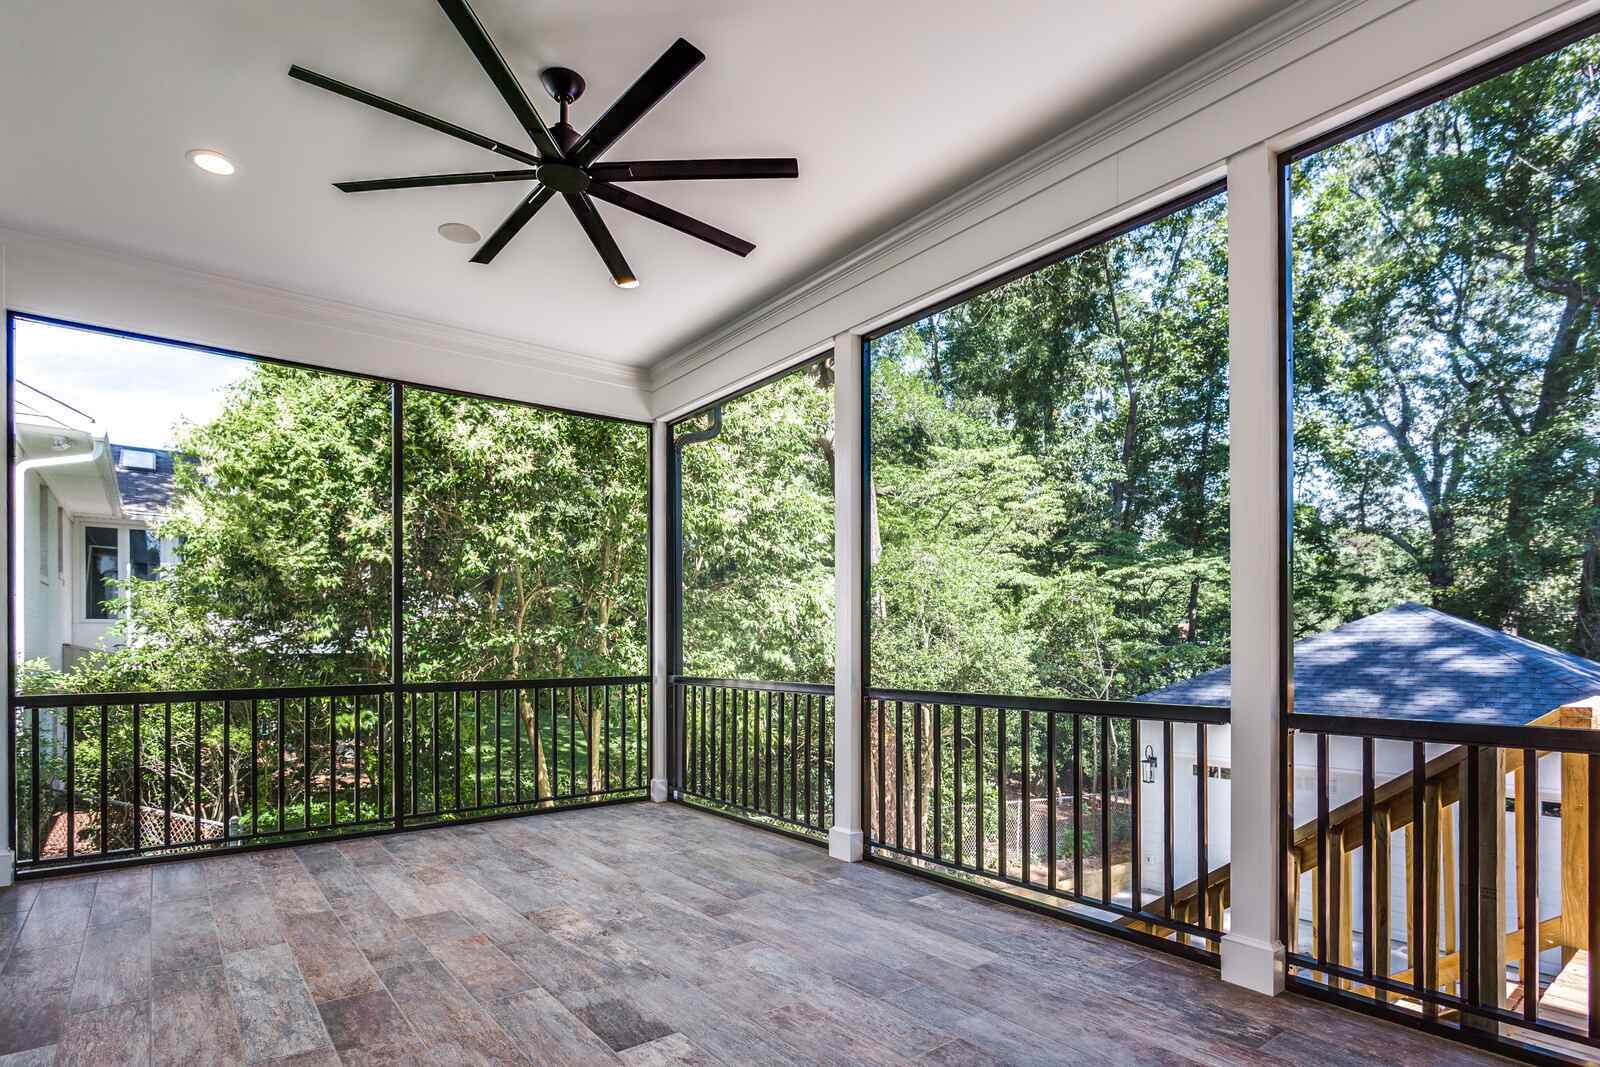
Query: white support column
[845,837]
[659,691]
[1252,951]
[7,788]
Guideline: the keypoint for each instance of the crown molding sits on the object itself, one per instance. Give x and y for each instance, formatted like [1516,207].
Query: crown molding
[1269,44]
[303,308]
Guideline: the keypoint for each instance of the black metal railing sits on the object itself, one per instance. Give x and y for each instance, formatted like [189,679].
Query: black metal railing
[1441,872]
[1054,800]
[761,750]
[115,776]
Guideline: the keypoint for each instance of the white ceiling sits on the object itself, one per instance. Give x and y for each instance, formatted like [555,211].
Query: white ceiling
[889,105]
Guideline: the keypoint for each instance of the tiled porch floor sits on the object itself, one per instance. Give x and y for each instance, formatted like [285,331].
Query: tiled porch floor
[639,934]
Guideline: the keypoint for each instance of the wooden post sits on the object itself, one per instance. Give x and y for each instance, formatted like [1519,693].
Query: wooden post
[1292,934]
[1447,848]
[1575,833]
[1378,901]
[1429,963]
[1490,934]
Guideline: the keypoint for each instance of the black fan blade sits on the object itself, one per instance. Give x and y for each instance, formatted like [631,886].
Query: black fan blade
[322,81]
[672,170]
[637,204]
[494,65]
[514,222]
[664,74]
[602,240]
[422,181]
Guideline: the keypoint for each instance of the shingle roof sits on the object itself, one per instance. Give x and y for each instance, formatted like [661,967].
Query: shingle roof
[1412,662]
[145,493]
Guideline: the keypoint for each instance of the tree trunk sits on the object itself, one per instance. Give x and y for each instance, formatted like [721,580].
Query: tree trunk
[1587,637]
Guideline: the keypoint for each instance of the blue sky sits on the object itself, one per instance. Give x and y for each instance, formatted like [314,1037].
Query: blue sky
[137,391]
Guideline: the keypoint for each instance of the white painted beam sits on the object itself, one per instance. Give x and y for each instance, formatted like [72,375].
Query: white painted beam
[7,787]
[1252,951]
[659,689]
[845,837]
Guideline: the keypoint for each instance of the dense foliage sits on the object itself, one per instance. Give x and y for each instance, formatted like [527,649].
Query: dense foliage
[1446,274]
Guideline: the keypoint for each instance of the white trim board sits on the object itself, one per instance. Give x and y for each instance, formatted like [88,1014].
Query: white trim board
[1316,64]
[76,282]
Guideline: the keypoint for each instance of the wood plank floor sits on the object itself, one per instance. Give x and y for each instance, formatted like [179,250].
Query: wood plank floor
[646,935]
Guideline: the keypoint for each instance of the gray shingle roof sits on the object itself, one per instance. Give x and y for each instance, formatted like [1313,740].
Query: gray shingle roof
[1412,662]
[144,493]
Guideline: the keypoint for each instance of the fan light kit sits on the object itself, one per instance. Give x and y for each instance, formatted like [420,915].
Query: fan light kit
[564,162]
[211,161]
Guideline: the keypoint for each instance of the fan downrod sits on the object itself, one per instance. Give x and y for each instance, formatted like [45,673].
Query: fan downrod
[564,85]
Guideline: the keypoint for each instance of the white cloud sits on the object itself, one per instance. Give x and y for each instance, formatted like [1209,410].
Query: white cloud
[136,391]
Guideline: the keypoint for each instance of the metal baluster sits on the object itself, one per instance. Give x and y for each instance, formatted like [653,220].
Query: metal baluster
[227,766]
[1077,806]
[1002,861]
[355,712]
[1202,815]
[957,810]
[138,775]
[197,762]
[1135,851]
[1369,892]
[1322,850]
[279,785]
[794,755]
[1050,798]
[1528,809]
[255,765]
[1025,819]
[938,782]
[72,780]
[1105,809]
[808,766]
[166,771]
[105,784]
[978,787]
[916,773]
[1166,819]
[37,797]
[333,761]
[899,774]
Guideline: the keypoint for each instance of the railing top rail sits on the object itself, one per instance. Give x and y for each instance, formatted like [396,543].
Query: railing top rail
[486,685]
[203,696]
[762,687]
[295,692]
[1544,738]
[1115,709]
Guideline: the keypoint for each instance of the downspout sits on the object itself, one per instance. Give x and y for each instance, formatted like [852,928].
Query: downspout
[19,523]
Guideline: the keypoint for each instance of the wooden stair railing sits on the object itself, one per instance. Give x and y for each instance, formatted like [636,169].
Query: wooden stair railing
[1393,811]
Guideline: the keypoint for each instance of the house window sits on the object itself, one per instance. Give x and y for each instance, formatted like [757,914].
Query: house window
[101,570]
[61,546]
[144,554]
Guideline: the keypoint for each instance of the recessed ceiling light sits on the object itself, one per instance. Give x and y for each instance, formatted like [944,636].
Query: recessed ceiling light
[459,232]
[211,161]
[626,282]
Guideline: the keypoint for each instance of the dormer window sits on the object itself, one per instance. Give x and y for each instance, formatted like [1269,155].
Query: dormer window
[137,459]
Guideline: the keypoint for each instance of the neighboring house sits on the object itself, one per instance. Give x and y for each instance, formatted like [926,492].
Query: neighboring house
[85,509]
[1407,662]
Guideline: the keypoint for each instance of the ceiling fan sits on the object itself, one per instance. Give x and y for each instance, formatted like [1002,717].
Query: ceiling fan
[566,162]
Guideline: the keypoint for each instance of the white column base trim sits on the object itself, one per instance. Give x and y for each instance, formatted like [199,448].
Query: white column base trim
[845,844]
[8,863]
[658,790]
[1253,964]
